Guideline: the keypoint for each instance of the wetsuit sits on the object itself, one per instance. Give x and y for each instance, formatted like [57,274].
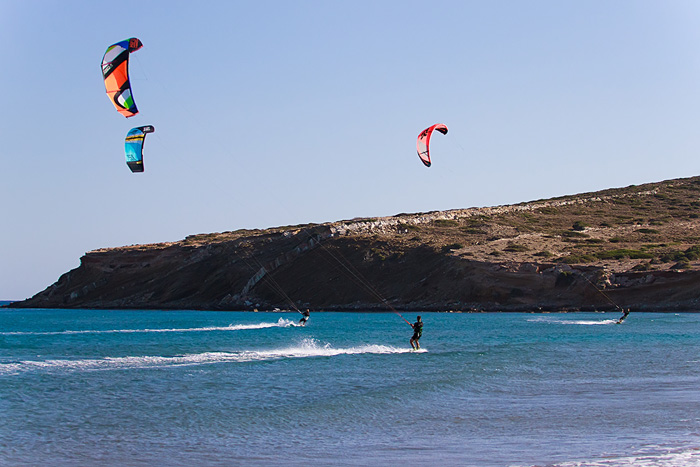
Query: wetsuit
[417,330]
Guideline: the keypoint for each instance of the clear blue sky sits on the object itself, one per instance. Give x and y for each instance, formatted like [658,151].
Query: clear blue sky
[284,112]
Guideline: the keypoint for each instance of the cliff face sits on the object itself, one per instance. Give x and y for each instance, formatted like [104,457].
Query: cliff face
[635,247]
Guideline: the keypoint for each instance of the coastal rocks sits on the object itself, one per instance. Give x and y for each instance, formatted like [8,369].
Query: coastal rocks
[421,279]
[628,280]
[507,258]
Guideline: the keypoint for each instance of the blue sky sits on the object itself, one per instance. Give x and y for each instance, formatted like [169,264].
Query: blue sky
[285,112]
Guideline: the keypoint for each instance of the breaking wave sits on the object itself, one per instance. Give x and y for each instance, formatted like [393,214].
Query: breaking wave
[650,456]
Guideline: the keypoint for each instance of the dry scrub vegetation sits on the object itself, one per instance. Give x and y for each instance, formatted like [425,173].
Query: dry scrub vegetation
[649,227]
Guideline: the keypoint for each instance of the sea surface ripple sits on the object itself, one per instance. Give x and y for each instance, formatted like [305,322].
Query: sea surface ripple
[180,388]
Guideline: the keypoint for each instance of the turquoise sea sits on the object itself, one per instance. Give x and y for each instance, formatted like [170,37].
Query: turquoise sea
[182,388]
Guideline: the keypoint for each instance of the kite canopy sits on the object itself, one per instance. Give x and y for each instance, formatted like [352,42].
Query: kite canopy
[423,143]
[133,147]
[115,70]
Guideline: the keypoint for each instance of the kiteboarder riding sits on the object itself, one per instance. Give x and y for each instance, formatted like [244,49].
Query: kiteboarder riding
[417,333]
[624,315]
[304,318]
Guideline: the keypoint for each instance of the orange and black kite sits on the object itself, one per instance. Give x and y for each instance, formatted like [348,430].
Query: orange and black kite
[115,69]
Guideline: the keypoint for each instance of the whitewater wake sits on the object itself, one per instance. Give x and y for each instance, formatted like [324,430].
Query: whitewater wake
[281,323]
[307,348]
[579,322]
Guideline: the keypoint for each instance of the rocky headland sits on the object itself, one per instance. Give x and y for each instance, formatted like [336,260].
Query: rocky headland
[636,247]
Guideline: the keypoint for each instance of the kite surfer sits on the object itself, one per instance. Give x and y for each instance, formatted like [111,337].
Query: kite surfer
[417,333]
[304,318]
[624,315]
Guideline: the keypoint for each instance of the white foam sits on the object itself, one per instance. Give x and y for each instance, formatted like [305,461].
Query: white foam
[281,323]
[307,348]
[579,322]
[592,323]
[651,456]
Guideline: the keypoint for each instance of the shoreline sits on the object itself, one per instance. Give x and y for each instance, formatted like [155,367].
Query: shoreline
[368,310]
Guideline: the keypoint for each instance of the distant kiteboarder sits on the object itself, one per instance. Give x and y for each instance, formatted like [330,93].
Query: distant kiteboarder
[417,333]
[623,317]
[304,318]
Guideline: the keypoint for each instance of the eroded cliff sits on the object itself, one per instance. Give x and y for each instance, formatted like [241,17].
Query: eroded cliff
[634,247]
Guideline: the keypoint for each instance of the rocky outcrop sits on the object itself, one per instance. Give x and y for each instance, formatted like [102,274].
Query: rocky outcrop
[524,257]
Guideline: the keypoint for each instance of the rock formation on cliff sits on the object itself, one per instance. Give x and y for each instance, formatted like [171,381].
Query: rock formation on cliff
[634,247]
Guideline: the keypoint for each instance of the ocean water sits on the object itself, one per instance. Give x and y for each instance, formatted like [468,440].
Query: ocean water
[85,388]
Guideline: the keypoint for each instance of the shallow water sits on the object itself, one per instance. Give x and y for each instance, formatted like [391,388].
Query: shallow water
[215,388]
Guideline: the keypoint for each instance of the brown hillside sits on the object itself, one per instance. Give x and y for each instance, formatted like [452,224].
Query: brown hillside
[639,245]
